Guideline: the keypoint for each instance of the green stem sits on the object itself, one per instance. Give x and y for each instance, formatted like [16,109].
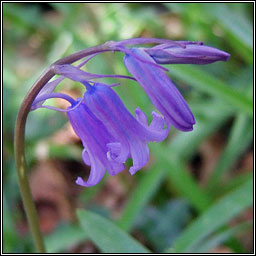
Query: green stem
[19,140]
[19,149]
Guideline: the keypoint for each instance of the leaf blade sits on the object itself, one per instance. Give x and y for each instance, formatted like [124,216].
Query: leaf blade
[226,208]
[146,187]
[206,83]
[107,236]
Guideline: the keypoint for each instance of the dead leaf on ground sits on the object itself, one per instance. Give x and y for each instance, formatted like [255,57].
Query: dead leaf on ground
[51,193]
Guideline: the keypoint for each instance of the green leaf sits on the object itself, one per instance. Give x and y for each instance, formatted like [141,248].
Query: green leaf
[216,216]
[221,237]
[168,220]
[238,25]
[206,83]
[181,179]
[60,46]
[240,137]
[9,231]
[184,144]
[64,237]
[107,236]
[143,192]
[235,182]
[235,26]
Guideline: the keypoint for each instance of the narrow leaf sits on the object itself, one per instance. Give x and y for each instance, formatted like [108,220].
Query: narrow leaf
[225,209]
[143,192]
[184,144]
[64,237]
[181,179]
[221,237]
[107,236]
[240,136]
[206,83]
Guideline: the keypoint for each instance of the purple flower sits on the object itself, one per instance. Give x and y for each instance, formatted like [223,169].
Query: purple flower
[109,132]
[160,89]
[95,138]
[190,54]
[131,134]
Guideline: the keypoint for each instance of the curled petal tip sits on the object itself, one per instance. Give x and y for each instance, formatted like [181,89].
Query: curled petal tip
[81,182]
[133,170]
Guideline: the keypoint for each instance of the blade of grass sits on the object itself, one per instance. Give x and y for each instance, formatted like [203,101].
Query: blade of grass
[208,84]
[181,179]
[239,32]
[234,183]
[240,137]
[237,25]
[10,235]
[184,144]
[107,236]
[64,237]
[226,209]
[221,237]
[143,192]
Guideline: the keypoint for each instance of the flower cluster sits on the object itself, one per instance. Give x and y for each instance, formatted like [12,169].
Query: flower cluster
[109,132]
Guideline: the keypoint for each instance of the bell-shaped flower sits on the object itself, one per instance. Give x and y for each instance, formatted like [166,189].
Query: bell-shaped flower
[109,132]
[160,89]
[95,138]
[131,134]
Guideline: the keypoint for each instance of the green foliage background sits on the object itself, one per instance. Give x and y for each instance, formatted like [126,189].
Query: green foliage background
[167,204]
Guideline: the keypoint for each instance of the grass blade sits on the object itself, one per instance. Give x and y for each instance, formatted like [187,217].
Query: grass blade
[221,237]
[107,236]
[205,82]
[69,235]
[181,179]
[226,208]
[146,187]
[185,144]
[241,135]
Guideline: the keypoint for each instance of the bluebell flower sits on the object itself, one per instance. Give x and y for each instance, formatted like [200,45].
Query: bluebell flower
[96,140]
[109,132]
[160,89]
[131,134]
[142,64]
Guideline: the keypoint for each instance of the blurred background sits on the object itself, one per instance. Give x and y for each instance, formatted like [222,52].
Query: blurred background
[195,194]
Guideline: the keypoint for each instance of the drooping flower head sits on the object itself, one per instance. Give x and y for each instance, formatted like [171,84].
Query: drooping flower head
[132,134]
[110,134]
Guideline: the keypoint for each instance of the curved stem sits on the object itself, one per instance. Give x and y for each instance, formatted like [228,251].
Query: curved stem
[19,140]
[19,149]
